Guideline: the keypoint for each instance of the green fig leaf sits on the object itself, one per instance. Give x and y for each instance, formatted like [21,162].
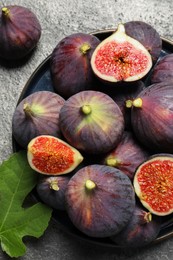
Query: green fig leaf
[17,180]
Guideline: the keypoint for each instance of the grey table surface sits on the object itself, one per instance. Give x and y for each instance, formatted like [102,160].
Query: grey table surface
[59,19]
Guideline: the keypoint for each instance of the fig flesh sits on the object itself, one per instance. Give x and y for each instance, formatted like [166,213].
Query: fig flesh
[120,58]
[20,32]
[127,155]
[100,200]
[151,117]
[153,184]
[51,190]
[142,229]
[52,156]
[163,71]
[91,121]
[146,35]
[37,114]
[70,64]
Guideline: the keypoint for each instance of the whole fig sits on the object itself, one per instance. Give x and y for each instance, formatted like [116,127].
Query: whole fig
[20,32]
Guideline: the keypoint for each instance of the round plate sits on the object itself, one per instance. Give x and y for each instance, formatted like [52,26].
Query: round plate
[41,80]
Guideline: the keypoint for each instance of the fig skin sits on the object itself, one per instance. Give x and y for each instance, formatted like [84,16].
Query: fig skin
[120,57]
[99,200]
[51,190]
[127,156]
[151,117]
[91,122]
[163,71]
[153,184]
[37,114]
[141,230]
[20,32]
[146,35]
[50,155]
[70,64]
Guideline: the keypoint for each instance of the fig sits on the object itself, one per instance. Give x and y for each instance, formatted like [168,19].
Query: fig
[123,95]
[146,35]
[99,200]
[91,122]
[37,114]
[20,32]
[153,184]
[151,117]
[70,64]
[142,229]
[127,155]
[163,71]
[50,155]
[120,58]
[51,190]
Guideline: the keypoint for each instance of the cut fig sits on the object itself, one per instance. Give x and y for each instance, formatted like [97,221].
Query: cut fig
[151,117]
[142,229]
[91,121]
[127,155]
[146,35]
[120,58]
[153,184]
[100,200]
[52,156]
[20,32]
[70,64]
[37,114]
[163,71]
[51,190]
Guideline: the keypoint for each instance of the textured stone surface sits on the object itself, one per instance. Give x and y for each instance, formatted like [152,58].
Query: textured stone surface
[58,19]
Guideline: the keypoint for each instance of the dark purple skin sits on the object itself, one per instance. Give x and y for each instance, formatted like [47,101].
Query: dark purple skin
[146,35]
[20,32]
[51,190]
[152,123]
[140,230]
[70,67]
[97,132]
[27,125]
[127,92]
[163,71]
[128,155]
[105,209]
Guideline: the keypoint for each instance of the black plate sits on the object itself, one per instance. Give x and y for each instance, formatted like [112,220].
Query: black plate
[41,80]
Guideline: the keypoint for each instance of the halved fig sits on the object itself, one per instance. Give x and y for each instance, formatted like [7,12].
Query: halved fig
[142,229]
[37,114]
[91,121]
[153,184]
[51,190]
[146,35]
[127,155]
[120,58]
[20,31]
[70,64]
[52,156]
[100,200]
[151,117]
[163,71]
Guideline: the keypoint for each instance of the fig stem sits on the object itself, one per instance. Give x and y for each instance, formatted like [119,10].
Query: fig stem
[148,217]
[112,162]
[90,185]
[129,103]
[54,185]
[137,102]
[86,109]
[5,11]
[85,48]
[27,109]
